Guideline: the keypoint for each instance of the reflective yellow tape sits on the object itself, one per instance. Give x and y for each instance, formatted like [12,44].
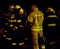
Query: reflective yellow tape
[8,38]
[14,44]
[5,31]
[21,43]
[11,25]
[4,35]
[43,46]
[52,16]
[18,21]
[12,20]
[16,27]
[51,24]
[15,21]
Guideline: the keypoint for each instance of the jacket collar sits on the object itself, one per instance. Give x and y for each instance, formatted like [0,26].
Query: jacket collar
[36,9]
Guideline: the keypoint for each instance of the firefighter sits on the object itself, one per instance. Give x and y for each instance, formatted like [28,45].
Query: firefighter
[35,20]
[51,19]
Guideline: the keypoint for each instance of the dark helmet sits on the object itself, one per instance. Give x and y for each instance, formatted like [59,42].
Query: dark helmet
[11,7]
[17,7]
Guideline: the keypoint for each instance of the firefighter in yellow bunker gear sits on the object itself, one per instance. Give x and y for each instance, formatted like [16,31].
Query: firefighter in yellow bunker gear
[36,18]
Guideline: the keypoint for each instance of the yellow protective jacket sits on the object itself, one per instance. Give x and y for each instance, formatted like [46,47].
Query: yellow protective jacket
[36,18]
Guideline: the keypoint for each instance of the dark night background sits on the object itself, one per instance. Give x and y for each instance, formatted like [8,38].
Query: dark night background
[42,4]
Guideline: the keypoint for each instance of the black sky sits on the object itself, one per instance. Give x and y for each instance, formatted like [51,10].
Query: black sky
[26,3]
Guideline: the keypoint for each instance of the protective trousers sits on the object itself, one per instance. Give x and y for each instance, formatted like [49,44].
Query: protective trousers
[35,38]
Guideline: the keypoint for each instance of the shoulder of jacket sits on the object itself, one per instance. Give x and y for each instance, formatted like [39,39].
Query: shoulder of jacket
[41,12]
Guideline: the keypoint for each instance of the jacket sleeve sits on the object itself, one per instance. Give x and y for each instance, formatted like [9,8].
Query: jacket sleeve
[30,18]
[41,19]
[42,16]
